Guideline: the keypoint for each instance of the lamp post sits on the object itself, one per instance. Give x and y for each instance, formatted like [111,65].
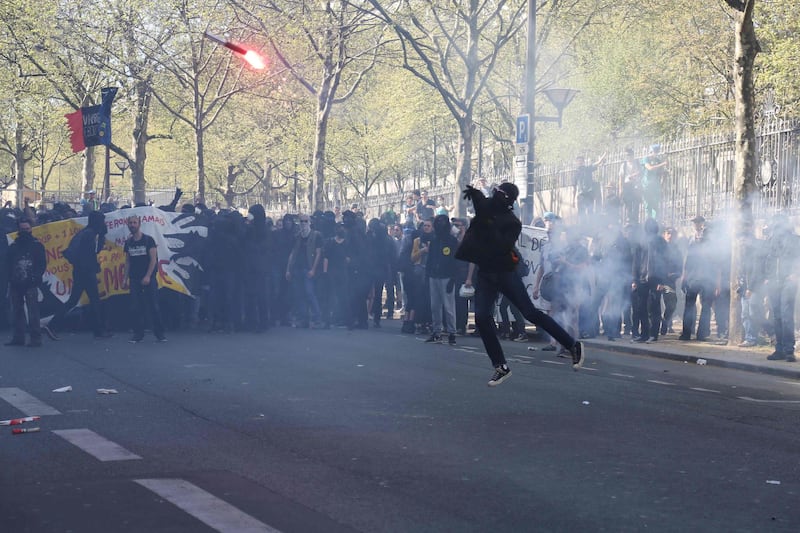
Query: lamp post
[122,166]
[560,98]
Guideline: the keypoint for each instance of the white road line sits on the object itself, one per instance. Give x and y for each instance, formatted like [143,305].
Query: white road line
[588,369]
[622,375]
[463,350]
[700,389]
[796,383]
[659,382]
[520,361]
[749,399]
[553,362]
[95,445]
[205,507]
[26,403]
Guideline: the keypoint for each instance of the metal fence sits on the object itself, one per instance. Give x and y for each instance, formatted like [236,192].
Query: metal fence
[700,176]
[699,180]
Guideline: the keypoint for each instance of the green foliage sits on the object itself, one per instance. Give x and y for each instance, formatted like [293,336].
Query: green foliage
[645,70]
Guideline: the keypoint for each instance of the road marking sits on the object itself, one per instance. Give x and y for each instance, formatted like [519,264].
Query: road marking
[553,362]
[749,399]
[700,389]
[463,350]
[796,383]
[659,382]
[622,375]
[26,403]
[93,444]
[587,369]
[205,507]
[520,361]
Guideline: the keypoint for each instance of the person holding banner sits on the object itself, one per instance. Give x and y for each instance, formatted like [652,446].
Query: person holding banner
[82,253]
[142,257]
[490,244]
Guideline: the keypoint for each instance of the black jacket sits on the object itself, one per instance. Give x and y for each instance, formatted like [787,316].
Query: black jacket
[26,262]
[489,241]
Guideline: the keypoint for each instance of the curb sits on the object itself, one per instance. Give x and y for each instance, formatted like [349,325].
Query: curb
[711,359]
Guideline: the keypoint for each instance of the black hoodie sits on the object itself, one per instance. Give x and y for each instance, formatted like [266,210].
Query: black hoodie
[489,241]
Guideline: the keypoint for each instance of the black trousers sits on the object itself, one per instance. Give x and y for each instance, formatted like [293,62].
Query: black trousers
[488,285]
[144,303]
[20,297]
[781,301]
[82,281]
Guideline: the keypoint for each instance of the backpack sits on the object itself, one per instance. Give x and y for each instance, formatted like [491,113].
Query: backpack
[72,252]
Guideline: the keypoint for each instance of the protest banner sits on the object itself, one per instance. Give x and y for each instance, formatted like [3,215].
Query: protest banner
[178,237]
[530,249]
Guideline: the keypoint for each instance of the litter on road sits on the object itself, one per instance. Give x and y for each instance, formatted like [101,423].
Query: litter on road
[17,421]
[19,431]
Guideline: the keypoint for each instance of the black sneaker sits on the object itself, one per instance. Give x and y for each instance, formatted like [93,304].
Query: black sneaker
[776,356]
[451,339]
[433,338]
[500,374]
[577,355]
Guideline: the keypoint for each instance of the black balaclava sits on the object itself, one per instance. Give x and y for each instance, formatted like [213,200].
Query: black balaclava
[97,222]
[441,226]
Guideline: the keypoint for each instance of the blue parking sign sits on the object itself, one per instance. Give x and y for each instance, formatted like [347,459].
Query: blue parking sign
[522,129]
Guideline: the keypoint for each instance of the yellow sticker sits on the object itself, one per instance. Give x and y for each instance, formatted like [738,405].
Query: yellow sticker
[446,250]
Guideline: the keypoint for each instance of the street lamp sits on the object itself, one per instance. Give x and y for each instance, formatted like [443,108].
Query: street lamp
[560,98]
[122,166]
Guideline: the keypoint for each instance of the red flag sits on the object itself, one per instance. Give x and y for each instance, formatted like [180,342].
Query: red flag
[75,124]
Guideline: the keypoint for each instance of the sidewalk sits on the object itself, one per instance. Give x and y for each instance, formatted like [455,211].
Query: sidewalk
[669,347]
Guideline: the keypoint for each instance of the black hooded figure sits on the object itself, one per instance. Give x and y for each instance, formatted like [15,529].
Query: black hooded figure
[358,269]
[86,244]
[258,267]
[490,244]
[223,257]
[283,243]
[380,256]
[649,276]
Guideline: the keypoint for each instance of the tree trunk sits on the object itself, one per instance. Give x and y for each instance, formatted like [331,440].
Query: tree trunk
[463,163]
[89,159]
[318,165]
[200,160]
[747,48]
[19,166]
[140,138]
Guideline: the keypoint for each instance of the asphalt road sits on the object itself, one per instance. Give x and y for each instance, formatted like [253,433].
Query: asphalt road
[330,430]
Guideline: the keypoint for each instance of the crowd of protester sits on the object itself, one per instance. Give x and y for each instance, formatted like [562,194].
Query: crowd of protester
[614,273]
